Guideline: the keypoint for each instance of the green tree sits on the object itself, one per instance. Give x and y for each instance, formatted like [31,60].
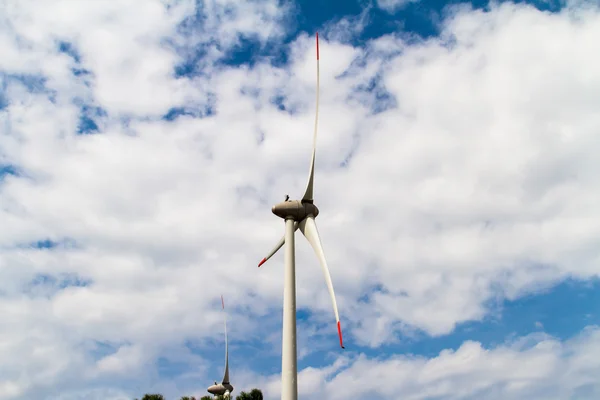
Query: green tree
[255,394]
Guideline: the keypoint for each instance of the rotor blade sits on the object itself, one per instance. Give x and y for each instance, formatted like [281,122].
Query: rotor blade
[277,247]
[226,375]
[308,193]
[308,227]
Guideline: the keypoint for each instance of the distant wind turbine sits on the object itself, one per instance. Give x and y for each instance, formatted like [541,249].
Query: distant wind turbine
[299,214]
[224,388]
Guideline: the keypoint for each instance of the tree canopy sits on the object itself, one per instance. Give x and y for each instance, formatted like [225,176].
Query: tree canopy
[254,394]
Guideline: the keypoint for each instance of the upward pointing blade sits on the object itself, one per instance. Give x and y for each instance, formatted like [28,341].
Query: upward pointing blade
[226,375]
[308,227]
[308,193]
[277,247]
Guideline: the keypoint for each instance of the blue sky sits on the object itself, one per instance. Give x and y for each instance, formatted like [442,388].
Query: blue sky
[143,144]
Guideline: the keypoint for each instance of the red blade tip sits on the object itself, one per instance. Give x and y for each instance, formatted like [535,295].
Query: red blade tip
[264,260]
[340,333]
[317,46]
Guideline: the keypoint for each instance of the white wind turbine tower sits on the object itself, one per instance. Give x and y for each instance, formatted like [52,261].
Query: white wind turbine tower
[224,388]
[299,214]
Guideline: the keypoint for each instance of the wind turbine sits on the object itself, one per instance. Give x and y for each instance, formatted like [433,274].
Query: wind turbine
[224,388]
[299,214]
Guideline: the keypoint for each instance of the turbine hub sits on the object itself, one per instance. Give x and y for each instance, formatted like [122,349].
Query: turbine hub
[295,209]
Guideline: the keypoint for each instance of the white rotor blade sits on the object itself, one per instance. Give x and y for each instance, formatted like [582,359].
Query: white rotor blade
[308,227]
[226,375]
[308,193]
[277,247]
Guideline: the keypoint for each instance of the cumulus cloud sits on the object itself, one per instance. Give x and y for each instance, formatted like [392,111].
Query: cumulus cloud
[450,172]
[532,367]
[392,6]
[488,177]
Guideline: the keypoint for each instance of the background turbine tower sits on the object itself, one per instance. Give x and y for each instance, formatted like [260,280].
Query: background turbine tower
[299,214]
[224,388]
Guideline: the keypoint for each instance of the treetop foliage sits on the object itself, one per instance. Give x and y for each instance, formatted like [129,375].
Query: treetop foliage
[254,394]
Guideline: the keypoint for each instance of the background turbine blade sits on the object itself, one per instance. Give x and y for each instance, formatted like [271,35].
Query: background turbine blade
[226,375]
[277,247]
[308,227]
[308,193]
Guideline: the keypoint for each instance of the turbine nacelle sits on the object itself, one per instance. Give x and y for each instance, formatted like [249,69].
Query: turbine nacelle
[220,389]
[296,209]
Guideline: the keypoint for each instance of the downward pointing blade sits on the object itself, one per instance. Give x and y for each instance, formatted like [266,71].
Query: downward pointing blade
[226,375]
[277,247]
[308,227]
[308,193]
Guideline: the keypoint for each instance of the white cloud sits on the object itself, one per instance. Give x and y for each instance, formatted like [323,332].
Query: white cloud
[489,175]
[392,6]
[534,367]
[482,183]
